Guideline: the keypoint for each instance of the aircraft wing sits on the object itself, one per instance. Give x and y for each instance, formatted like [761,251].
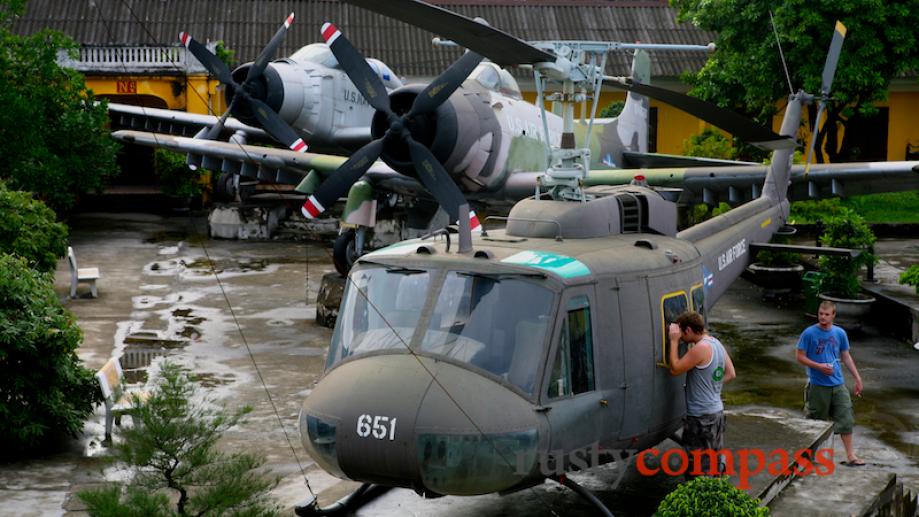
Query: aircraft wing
[737,184]
[174,122]
[633,160]
[251,161]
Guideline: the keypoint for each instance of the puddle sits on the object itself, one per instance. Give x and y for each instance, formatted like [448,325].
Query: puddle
[211,380]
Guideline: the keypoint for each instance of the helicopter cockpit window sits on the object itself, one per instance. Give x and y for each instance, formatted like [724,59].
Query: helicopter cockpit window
[672,305]
[495,322]
[380,310]
[573,369]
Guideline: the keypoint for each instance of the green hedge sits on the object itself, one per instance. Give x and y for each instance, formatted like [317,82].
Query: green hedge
[44,387]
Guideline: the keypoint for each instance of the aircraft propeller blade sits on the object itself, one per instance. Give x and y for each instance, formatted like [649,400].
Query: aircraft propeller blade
[336,185]
[258,66]
[728,120]
[275,125]
[442,88]
[829,71]
[354,64]
[435,178]
[210,61]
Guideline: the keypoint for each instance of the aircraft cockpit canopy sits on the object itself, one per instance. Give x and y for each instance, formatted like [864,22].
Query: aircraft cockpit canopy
[320,53]
[498,323]
[495,78]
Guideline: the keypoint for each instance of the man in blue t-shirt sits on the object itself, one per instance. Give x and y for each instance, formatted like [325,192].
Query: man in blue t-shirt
[823,348]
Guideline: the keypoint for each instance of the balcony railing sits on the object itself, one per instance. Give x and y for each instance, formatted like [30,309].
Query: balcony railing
[134,60]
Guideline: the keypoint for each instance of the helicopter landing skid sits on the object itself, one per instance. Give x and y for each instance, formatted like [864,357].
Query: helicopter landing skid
[583,492]
[344,506]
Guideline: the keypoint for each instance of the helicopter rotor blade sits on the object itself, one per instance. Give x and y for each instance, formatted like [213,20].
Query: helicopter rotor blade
[440,89]
[336,185]
[730,121]
[357,68]
[258,66]
[211,62]
[435,178]
[500,47]
[832,58]
[829,72]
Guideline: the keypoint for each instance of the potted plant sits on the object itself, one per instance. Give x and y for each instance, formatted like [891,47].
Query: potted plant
[778,273]
[177,180]
[840,282]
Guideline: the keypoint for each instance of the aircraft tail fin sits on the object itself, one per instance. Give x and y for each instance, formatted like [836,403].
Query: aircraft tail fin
[629,130]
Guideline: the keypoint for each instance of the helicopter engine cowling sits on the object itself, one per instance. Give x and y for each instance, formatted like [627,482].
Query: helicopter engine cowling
[463,133]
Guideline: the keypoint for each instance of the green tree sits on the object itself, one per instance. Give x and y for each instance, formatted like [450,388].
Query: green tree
[28,229]
[745,72]
[710,143]
[612,110]
[43,385]
[178,469]
[53,136]
[845,230]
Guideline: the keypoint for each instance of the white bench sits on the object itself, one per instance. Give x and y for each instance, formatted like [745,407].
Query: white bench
[87,275]
[118,401]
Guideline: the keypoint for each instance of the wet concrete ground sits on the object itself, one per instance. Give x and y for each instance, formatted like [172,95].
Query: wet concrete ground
[158,297]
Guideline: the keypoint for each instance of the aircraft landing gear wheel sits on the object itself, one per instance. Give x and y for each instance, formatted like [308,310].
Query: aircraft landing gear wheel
[345,252]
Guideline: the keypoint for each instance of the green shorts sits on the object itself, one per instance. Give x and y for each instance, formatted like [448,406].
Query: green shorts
[830,403]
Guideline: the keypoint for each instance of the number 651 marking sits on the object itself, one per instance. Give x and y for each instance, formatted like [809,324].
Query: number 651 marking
[375,426]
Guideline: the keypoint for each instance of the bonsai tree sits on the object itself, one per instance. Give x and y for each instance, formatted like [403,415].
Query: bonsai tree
[177,467]
[709,496]
[846,230]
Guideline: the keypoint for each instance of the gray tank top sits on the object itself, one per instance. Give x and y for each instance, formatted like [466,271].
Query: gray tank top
[703,383]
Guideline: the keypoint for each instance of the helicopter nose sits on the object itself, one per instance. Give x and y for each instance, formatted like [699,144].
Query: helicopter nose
[410,421]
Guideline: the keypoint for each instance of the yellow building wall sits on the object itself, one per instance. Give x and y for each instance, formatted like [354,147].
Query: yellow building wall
[194,94]
[675,126]
[904,124]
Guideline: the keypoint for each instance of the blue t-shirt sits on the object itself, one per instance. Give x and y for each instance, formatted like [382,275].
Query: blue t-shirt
[824,346]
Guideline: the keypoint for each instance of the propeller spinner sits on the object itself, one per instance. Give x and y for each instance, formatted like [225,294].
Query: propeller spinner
[398,129]
[243,93]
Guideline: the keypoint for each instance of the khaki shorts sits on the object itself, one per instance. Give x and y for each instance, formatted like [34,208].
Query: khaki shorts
[830,403]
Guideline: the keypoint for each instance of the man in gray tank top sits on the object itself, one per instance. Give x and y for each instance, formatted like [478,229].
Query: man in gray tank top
[707,366]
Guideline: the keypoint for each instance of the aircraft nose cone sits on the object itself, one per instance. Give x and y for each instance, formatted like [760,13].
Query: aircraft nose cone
[407,421]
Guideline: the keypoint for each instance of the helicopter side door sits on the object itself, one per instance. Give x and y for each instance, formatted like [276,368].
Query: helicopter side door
[570,394]
[638,357]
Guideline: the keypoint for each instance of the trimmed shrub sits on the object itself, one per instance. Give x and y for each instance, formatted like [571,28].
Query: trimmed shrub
[29,229]
[44,386]
[710,496]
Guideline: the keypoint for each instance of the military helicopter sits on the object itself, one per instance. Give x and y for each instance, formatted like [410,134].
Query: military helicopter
[458,361]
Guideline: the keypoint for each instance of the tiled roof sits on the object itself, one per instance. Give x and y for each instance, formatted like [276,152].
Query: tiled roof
[247,25]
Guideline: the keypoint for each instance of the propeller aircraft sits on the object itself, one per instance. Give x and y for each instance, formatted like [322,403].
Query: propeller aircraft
[490,141]
[455,366]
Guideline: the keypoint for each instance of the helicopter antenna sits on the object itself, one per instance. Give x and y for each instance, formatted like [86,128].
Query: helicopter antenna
[791,89]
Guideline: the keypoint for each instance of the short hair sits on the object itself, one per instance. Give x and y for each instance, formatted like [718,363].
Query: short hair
[691,319]
[828,305]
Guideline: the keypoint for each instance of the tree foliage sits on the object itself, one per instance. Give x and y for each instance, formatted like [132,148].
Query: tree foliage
[28,229]
[53,136]
[178,469]
[745,72]
[44,387]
